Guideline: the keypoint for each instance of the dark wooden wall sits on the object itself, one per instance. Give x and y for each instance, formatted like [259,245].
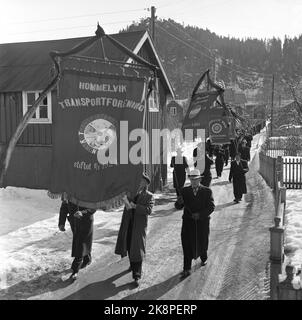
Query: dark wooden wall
[30,167]
[11,113]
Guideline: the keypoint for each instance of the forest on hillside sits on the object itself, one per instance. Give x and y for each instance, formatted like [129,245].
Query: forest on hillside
[245,64]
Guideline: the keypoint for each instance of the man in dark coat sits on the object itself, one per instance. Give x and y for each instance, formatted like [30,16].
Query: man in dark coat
[131,238]
[226,154]
[238,170]
[179,164]
[248,137]
[81,223]
[206,175]
[244,151]
[198,205]
[219,161]
[233,149]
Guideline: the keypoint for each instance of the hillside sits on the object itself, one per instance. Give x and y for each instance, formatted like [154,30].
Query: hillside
[244,64]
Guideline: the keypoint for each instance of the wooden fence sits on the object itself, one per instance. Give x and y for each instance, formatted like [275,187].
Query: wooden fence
[267,169]
[292,173]
[278,173]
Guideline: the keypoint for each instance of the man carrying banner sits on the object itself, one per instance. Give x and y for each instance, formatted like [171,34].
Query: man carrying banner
[81,223]
[238,170]
[131,238]
[198,206]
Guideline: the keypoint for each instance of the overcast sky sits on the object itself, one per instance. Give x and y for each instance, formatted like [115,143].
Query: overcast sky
[32,20]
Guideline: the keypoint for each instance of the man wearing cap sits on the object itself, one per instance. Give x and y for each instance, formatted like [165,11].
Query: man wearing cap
[198,206]
[131,238]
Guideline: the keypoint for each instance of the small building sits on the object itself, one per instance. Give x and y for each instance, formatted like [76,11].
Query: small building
[26,69]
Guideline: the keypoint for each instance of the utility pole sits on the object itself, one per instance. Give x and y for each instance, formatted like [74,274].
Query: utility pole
[272,106]
[153,10]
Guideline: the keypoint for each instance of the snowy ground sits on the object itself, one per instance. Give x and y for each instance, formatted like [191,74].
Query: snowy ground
[293,227]
[36,258]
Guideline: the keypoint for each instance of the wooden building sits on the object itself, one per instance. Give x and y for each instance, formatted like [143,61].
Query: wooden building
[26,69]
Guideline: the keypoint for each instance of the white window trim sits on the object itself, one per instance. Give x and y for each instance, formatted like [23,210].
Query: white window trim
[49,107]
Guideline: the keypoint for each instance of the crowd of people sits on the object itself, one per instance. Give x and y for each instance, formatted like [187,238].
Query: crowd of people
[196,200]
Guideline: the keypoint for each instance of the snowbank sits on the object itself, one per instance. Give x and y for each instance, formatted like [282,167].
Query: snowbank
[293,227]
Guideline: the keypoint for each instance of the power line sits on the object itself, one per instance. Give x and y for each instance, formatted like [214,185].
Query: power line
[79,16]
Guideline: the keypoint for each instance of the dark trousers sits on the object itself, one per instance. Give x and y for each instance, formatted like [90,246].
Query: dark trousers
[136,268]
[237,194]
[79,262]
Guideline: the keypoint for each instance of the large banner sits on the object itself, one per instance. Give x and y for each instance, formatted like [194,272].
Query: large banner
[205,112]
[95,113]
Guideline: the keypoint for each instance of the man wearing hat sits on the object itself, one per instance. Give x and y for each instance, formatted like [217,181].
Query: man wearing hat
[198,206]
[131,238]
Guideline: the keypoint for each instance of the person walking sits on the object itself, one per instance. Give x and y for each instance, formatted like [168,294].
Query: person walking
[219,160]
[81,223]
[244,151]
[180,165]
[233,149]
[206,175]
[131,238]
[226,154]
[198,206]
[238,170]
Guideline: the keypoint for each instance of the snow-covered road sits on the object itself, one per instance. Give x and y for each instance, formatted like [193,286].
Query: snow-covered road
[37,263]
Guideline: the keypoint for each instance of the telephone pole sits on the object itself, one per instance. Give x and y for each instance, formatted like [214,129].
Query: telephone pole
[153,10]
[272,107]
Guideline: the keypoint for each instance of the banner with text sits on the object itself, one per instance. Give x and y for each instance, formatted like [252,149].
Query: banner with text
[94,115]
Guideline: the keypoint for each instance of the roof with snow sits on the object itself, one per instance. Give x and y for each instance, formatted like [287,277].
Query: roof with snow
[28,66]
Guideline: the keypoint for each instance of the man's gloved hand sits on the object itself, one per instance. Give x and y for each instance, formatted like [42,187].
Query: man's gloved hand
[61,227]
[78,215]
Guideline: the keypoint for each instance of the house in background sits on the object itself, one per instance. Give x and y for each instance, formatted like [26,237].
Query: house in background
[26,69]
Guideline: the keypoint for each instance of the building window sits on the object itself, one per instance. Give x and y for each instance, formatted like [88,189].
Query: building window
[173,111]
[43,112]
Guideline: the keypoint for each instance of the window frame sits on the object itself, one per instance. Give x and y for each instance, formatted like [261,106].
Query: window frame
[37,120]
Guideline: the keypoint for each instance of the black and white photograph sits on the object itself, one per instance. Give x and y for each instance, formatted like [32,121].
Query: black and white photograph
[151,151]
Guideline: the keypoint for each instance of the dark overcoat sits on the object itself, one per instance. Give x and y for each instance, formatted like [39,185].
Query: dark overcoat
[219,161]
[206,175]
[195,233]
[131,238]
[238,175]
[179,172]
[233,149]
[82,229]
[245,153]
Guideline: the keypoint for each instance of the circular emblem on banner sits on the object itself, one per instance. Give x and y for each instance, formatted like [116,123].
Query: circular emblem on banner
[216,128]
[97,132]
